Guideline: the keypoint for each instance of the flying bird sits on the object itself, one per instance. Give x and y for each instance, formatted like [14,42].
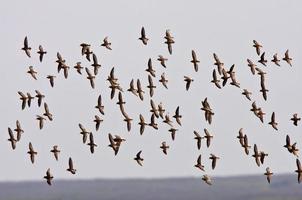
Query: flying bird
[262,60]
[198,138]
[299,170]
[32,153]
[252,66]
[214,160]
[40,97]
[95,64]
[162,60]
[91,143]
[295,119]
[268,174]
[276,60]
[164,147]
[173,132]
[48,177]
[32,72]
[177,116]
[220,65]
[142,124]
[78,67]
[100,105]
[287,58]
[51,79]
[198,164]
[150,68]
[195,61]
[47,113]
[247,94]
[41,121]
[163,80]
[97,120]
[90,77]
[215,80]
[41,53]
[12,139]
[273,122]
[70,168]
[18,130]
[23,98]
[143,37]
[55,152]
[139,159]
[207,179]
[25,47]
[106,43]
[257,46]
[151,86]
[84,133]
[169,40]
[188,81]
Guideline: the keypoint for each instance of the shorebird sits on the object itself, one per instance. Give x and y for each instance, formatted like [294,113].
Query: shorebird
[262,156]
[41,53]
[195,61]
[287,58]
[169,40]
[55,152]
[70,168]
[132,88]
[47,113]
[241,137]
[65,70]
[258,46]
[246,145]
[23,98]
[151,86]
[247,94]
[208,111]
[164,147]
[262,59]
[167,120]
[48,177]
[256,155]
[252,66]
[150,68]
[100,105]
[162,60]
[214,160]
[208,137]
[288,145]
[188,81]
[276,60]
[128,120]
[25,47]
[299,170]
[198,164]
[268,174]
[12,139]
[264,92]
[32,153]
[153,124]
[273,122]
[60,62]
[88,52]
[154,110]
[219,64]
[18,130]
[163,80]
[84,46]
[173,132]
[95,64]
[161,110]
[91,143]
[51,80]
[78,67]
[84,133]
[140,90]
[207,179]
[260,114]
[97,121]
[225,77]
[143,37]
[40,97]
[215,80]
[90,77]
[29,98]
[106,43]
[32,72]
[295,119]
[177,116]
[41,121]
[198,138]
[139,159]
[142,124]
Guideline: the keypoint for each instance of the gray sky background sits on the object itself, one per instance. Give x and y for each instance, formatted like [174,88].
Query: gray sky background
[224,27]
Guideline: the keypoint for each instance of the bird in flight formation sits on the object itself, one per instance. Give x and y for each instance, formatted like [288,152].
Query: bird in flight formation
[220,78]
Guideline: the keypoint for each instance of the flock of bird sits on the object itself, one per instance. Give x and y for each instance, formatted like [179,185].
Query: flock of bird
[221,76]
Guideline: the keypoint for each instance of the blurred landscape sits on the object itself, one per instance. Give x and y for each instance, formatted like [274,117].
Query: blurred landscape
[283,187]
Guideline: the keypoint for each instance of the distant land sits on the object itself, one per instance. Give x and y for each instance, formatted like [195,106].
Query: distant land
[283,187]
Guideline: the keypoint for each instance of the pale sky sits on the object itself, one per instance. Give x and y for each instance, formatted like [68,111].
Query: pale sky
[224,27]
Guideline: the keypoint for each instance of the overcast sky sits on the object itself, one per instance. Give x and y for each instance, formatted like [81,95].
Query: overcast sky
[225,27]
